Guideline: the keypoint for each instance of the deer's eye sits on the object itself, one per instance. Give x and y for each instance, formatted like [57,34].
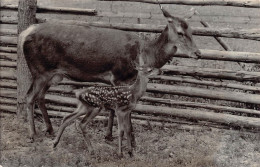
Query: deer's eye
[180,34]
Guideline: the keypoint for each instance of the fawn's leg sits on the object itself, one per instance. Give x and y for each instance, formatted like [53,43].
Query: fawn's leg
[128,131]
[120,120]
[91,114]
[81,110]
[133,142]
[110,126]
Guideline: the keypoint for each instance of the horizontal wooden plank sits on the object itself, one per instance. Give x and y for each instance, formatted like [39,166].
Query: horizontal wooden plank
[204,93]
[231,120]
[237,3]
[8,49]
[8,32]
[43,9]
[8,56]
[197,105]
[8,74]
[252,34]
[11,64]
[8,40]
[212,73]
[222,84]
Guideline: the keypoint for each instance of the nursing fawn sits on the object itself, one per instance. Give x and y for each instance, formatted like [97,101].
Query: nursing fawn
[121,99]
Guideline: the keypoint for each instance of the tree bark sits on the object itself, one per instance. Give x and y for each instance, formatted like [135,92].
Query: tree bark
[26,17]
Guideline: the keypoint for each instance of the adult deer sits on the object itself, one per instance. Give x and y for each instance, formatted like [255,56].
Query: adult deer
[121,99]
[91,54]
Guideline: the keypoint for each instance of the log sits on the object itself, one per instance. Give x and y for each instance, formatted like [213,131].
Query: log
[8,49]
[8,40]
[7,93]
[8,32]
[204,93]
[7,101]
[26,17]
[252,34]
[8,74]
[10,64]
[227,119]
[184,79]
[218,108]
[237,3]
[247,57]
[8,56]
[44,9]
[9,84]
[212,73]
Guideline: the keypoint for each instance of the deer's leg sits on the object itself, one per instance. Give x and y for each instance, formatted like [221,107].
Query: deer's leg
[81,110]
[42,107]
[31,96]
[91,114]
[41,102]
[109,136]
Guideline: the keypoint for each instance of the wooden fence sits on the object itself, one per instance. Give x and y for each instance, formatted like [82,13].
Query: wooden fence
[184,94]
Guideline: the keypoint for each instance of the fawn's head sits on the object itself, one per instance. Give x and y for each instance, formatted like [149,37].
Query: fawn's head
[180,36]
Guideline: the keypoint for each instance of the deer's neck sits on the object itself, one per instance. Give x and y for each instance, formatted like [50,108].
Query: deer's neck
[154,53]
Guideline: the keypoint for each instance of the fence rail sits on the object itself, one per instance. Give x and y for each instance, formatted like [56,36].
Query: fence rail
[238,3]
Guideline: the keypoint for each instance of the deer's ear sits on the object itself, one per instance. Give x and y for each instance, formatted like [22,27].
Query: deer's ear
[167,15]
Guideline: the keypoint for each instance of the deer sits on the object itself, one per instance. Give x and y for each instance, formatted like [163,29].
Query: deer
[121,99]
[54,51]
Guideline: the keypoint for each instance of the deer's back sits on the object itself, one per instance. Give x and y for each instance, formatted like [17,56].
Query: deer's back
[76,49]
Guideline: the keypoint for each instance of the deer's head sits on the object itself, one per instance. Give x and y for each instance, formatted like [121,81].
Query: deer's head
[180,36]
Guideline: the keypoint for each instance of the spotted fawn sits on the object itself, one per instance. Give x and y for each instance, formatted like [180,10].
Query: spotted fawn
[121,99]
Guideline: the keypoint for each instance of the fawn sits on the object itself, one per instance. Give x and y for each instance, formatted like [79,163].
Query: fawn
[121,99]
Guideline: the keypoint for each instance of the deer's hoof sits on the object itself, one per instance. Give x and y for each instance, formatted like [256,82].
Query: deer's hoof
[49,131]
[120,155]
[109,138]
[91,152]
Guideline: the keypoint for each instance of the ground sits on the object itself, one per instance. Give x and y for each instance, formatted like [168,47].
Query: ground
[156,146]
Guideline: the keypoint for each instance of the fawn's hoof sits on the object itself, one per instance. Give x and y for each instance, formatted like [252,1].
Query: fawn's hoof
[30,140]
[130,154]
[54,144]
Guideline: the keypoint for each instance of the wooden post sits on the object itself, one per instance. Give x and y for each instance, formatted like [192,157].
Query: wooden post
[26,17]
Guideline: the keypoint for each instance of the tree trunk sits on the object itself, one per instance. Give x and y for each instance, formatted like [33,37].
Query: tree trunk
[26,17]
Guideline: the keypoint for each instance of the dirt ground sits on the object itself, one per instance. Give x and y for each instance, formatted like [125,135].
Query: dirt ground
[156,146]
